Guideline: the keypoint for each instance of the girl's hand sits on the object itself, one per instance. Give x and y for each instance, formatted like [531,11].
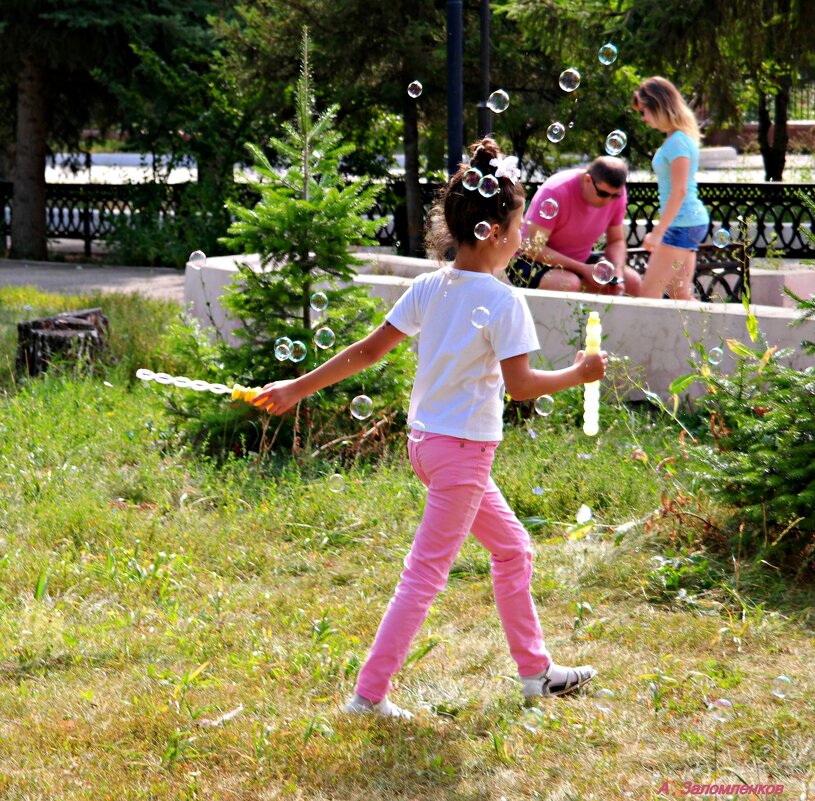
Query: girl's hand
[278,397]
[590,367]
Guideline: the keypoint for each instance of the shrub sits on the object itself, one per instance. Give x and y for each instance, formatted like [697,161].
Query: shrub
[302,227]
[759,455]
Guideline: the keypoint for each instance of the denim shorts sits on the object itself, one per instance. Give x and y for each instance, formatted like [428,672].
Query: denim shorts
[688,238]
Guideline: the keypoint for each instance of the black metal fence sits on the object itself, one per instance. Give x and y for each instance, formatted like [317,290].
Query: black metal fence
[768,216]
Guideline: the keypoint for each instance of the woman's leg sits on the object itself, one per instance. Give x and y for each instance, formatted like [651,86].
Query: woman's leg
[498,529]
[669,266]
[681,288]
[456,473]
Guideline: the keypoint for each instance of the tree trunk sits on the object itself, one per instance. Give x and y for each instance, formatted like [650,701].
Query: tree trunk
[413,192]
[774,154]
[28,229]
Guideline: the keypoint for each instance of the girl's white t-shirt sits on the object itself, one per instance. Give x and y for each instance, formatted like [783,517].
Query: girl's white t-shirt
[469,322]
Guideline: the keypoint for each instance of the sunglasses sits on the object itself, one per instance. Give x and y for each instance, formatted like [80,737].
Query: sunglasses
[602,192]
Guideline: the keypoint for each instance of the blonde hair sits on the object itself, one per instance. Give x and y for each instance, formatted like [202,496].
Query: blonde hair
[667,106]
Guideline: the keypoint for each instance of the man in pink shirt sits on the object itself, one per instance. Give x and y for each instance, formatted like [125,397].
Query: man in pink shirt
[566,217]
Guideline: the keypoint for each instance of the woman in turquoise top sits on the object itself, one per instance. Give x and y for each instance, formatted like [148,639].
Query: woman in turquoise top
[683,220]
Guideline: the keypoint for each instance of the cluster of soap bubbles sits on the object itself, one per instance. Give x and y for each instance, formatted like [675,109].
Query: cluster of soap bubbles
[480,316]
[715,355]
[555,132]
[616,142]
[607,54]
[197,259]
[721,238]
[549,208]
[416,430]
[544,405]
[482,230]
[602,272]
[486,185]
[183,382]
[569,79]
[498,101]
[362,407]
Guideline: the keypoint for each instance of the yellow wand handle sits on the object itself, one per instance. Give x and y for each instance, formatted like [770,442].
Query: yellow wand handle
[247,394]
[591,391]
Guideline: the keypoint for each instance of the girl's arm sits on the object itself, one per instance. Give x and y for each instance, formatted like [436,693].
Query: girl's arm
[279,396]
[680,168]
[523,383]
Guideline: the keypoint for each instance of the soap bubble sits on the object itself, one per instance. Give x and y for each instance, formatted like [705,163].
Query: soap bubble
[282,348]
[538,490]
[414,89]
[298,351]
[336,483]
[324,337]
[498,101]
[603,271]
[616,142]
[319,301]
[555,132]
[480,316]
[482,230]
[604,700]
[714,355]
[721,710]
[532,720]
[583,514]
[549,208]
[569,79]
[416,431]
[781,687]
[721,238]
[607,54]
[472,178]
[362,407]
[544,405]
[197,259]
[488,186]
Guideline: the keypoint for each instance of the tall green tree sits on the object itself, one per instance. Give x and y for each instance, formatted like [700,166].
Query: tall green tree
[52,52]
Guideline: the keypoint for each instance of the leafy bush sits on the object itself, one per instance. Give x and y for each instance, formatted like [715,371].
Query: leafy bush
[759,456]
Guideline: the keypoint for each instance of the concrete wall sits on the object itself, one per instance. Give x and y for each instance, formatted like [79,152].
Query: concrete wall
[655,335]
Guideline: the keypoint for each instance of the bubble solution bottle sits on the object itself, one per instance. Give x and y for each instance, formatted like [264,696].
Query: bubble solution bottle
[591,391]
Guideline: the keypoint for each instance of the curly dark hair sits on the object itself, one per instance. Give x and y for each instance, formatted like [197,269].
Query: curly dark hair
[457,209]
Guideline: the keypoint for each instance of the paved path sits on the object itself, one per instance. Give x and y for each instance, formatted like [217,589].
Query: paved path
[156,282]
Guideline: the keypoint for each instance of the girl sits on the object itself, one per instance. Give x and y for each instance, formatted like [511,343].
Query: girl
[683,220]
[476,334]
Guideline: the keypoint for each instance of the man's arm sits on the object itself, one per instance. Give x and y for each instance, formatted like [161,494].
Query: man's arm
[616,248]
[548,255]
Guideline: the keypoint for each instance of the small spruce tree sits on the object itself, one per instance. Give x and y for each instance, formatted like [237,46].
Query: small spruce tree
[303,227]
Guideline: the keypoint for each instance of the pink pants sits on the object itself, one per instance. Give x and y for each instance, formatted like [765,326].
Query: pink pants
[461,498]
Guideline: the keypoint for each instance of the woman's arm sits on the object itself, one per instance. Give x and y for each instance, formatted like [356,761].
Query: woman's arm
[279,396]
[523,383]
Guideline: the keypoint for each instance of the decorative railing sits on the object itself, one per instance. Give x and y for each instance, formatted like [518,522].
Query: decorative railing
[772,214]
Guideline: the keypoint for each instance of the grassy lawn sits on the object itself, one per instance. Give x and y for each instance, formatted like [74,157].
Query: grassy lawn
[172,628]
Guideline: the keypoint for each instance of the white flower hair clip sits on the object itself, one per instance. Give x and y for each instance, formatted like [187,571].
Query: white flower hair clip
[506,167]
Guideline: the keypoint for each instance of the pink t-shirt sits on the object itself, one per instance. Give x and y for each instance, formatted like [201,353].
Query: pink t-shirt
[577,225]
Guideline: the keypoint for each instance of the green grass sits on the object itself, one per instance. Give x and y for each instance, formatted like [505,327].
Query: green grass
[146,593]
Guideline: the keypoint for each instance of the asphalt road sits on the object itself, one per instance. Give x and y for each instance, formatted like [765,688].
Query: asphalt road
[156,282]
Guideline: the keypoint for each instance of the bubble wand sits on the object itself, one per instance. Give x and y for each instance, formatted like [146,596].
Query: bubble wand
[237,392]
[591,391]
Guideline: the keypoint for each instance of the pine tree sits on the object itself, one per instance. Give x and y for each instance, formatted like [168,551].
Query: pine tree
[303,227]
